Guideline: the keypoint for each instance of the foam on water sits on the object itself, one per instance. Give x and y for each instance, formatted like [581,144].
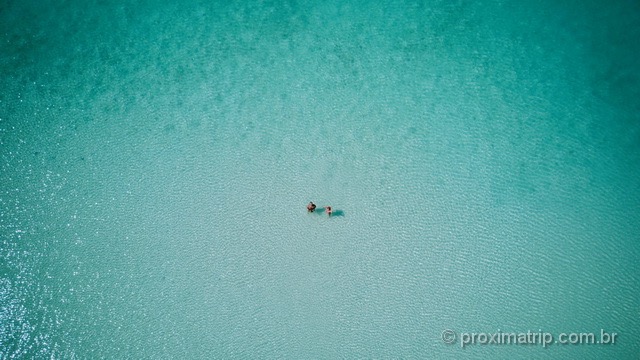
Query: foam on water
[157,159]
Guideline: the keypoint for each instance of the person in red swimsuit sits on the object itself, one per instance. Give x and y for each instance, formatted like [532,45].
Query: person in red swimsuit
[328,210]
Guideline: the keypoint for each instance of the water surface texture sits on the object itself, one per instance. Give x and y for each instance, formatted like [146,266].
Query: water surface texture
[157,157]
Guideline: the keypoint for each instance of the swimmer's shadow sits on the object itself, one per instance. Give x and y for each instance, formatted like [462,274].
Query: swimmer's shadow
[338,213]
[334,213]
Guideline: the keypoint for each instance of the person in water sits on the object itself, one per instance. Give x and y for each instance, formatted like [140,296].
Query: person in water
[328,210]
[311,207]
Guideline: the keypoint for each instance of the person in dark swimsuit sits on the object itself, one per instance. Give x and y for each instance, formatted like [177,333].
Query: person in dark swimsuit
[311,207]
[328,210]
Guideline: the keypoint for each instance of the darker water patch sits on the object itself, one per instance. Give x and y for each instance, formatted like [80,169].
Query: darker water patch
[169,128]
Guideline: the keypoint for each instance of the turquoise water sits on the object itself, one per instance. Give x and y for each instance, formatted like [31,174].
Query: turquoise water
[157,159]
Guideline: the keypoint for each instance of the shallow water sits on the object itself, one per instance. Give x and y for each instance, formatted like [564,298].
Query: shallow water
[157,160]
